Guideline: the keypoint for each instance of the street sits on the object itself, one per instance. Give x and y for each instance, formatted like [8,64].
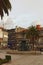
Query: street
[24,59]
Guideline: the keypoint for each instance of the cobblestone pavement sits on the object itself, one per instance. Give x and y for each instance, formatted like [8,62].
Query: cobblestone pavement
[24,59]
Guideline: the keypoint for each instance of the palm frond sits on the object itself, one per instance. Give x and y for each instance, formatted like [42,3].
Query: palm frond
[4,6]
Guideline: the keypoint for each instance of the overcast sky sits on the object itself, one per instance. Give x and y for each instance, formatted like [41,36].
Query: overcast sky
[25,13]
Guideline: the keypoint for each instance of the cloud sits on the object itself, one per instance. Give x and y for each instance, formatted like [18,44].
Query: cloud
[9,23]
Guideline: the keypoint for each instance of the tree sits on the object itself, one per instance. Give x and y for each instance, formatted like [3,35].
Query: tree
[32,34]
[23,46]
[5,5]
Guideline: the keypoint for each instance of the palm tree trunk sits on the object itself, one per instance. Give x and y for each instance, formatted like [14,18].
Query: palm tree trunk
[33,45]
[33,42]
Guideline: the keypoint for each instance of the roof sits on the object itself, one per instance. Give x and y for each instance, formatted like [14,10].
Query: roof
[1,27]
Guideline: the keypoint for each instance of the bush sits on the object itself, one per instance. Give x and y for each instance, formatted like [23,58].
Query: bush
[1,61]
[8,57]
[23,46]
[4,61]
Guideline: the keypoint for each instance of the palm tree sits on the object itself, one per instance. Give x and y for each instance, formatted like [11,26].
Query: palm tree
[5,5]
[32,34]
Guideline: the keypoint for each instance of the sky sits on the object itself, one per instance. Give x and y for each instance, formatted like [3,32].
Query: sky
[24,13]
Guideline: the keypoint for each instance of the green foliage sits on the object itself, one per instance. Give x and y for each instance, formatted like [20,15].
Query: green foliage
[5,5]
[23,46]
[7,59]
[4,61]
[32,34]
[1,61]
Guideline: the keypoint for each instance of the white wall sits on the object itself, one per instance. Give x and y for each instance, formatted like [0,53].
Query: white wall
[1,33]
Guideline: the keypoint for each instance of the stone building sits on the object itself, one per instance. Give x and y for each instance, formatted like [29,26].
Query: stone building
[15,36]
[11,38]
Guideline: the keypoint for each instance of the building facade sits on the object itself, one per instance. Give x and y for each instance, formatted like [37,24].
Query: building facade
[11,39]
[3,37]
[15,36]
